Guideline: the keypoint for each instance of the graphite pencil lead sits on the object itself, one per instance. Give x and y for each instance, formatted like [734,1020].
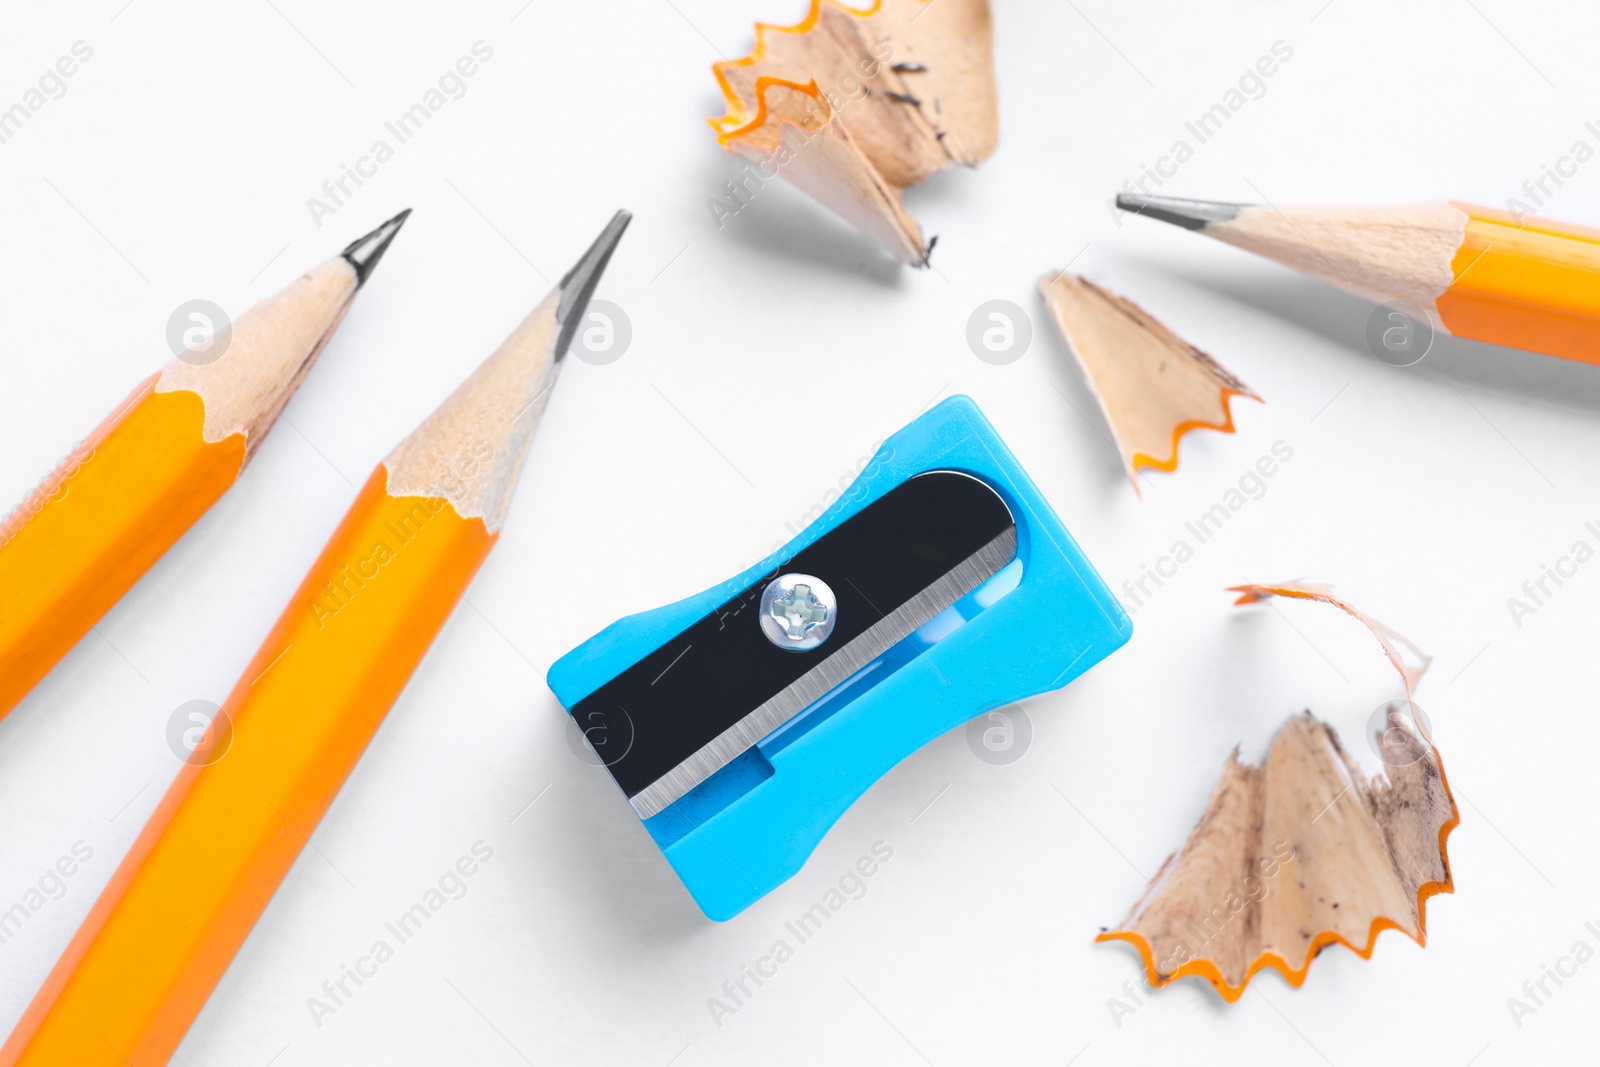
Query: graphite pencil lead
[364,252]
[470,451]
[1190,214]
[578,285]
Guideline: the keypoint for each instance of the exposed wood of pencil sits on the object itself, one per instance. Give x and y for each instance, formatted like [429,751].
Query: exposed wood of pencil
[226,833]
[1152,385]
[471,449]
[1478,272]
[157,463]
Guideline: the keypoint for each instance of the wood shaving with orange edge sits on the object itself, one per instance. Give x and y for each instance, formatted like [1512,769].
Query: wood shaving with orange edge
[854,106]
[1301,852]
[1152,385]
[1407,658]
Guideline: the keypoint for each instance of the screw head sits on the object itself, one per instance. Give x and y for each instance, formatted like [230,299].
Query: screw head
[798,612]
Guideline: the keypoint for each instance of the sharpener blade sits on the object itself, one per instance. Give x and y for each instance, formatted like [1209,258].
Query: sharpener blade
[716,689]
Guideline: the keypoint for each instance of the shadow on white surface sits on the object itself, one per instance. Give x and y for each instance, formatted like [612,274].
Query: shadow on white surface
[779,221]
[1341,317]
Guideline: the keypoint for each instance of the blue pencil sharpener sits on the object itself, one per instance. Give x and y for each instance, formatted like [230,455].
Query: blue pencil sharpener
[742,722]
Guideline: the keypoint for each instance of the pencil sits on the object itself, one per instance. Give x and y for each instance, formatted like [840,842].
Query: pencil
[221,840]
[1478,272]
[125,495]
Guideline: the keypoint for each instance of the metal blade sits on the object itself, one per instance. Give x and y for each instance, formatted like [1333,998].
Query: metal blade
[821,679]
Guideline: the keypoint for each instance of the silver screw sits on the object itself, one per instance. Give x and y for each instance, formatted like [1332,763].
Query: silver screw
[798,612]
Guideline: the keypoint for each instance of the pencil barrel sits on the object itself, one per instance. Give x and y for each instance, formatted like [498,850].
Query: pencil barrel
[226,833]
[101,519]
[1526,283]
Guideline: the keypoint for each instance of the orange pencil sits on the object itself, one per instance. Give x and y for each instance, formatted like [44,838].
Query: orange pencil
[216,848]
[156,464]
[1477,272]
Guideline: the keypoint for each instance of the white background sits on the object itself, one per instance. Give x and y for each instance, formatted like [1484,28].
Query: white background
[767,357]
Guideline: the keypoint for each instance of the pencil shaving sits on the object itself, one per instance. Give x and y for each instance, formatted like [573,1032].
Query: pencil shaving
[1301,852]
[854,106]
[1407,658]
[1152,385]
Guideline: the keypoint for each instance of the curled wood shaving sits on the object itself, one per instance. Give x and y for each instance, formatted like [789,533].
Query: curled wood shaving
[1407,658]
[853,106]
[1301,852]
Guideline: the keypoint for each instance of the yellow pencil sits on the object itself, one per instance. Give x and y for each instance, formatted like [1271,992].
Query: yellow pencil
[156,464]
[1477,272]
[217,846]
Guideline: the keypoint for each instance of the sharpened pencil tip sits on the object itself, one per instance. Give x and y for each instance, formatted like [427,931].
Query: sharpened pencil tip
[1190,214]
[364,252]
[579,283]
